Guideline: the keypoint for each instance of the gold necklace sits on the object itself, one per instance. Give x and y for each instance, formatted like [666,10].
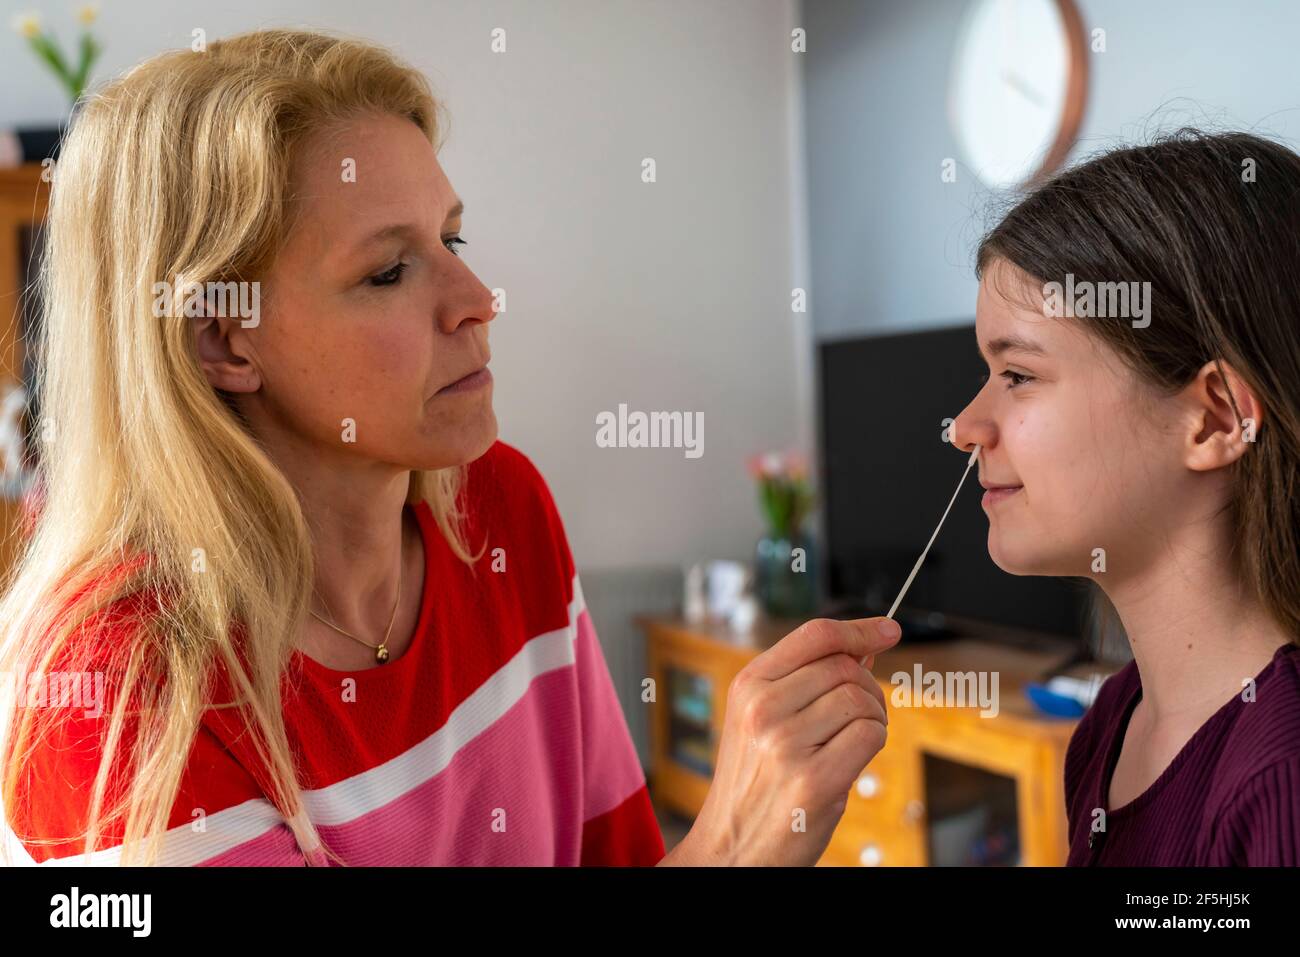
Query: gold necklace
[381,649]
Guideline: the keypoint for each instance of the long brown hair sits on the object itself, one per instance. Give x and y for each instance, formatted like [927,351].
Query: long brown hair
[1212,222]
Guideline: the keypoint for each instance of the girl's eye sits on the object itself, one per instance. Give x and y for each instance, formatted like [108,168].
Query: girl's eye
[452,243]
[1015,378]
[389,277]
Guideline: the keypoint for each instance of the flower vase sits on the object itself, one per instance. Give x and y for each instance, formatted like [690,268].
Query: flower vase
[785,579]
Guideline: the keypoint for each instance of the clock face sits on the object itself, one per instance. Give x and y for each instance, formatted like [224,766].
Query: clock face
[1011,87]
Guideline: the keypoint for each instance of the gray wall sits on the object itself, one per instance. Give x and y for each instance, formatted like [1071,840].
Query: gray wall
[891,244]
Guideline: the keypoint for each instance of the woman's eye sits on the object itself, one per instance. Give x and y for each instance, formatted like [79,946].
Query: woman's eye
[389,277]
[1015,378]
[452,243]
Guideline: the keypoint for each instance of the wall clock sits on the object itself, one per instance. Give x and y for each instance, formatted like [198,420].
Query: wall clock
[1019,83]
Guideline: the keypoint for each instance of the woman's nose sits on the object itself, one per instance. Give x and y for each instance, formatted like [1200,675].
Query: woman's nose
[475,303]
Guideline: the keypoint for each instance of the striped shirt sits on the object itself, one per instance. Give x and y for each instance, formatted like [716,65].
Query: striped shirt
[1230,797]
[496,738]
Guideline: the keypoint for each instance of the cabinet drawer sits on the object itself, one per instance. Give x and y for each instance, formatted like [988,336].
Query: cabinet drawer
[884,840]
[884,782]
[882,819]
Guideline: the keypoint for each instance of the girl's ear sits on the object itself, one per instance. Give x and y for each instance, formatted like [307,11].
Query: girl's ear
[225,354]
[1226,417]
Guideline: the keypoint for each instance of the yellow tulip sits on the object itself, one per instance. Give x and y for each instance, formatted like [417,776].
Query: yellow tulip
[28,24]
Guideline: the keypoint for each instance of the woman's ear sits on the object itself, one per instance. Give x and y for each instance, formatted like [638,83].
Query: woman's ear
[1226,416]
[225,354]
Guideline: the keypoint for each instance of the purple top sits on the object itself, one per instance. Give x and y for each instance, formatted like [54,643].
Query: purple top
[1230,797]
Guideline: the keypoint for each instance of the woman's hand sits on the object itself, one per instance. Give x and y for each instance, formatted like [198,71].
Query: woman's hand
[803,719]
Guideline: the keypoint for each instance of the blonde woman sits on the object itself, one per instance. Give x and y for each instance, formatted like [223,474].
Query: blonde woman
[334,619]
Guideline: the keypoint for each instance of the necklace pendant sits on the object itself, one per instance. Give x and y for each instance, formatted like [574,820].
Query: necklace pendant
[381,654]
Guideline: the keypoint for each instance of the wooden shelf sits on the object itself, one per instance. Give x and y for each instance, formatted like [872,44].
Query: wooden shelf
[24,200]
[886,820]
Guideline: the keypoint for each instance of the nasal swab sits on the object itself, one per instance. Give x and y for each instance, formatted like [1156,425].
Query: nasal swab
[917,567]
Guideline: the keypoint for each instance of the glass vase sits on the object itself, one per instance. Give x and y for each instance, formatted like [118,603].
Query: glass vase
[785,580]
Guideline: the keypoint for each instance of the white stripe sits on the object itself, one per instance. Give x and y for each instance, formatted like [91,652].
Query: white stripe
[16,852]
[364,792]
[358,795]
[182,846]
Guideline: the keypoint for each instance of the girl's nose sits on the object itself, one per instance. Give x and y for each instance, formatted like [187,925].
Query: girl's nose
[973,427]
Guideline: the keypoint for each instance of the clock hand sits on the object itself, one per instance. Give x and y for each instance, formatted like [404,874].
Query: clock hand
[1024,89]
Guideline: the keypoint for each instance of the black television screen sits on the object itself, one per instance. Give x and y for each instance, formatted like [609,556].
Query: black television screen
[887,475]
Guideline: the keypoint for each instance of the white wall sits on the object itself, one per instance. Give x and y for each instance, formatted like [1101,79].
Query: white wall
[670,296]
[892,245]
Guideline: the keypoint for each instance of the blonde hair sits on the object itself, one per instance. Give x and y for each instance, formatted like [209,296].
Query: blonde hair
[178,168]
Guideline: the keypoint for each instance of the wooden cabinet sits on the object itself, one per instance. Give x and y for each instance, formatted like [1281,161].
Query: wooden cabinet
[952,784]
[24,197]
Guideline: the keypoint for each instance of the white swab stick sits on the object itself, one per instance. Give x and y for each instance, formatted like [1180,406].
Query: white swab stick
[917,567]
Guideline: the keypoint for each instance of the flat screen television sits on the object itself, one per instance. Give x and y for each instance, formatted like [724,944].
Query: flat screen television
[886,475]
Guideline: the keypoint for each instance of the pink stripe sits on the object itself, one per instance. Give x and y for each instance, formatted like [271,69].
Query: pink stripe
[612,768]
[275,848]
[559,756]
[519,774]
[526,774]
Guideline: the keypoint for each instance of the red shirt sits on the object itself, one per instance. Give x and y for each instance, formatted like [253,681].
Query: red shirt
[496,738]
